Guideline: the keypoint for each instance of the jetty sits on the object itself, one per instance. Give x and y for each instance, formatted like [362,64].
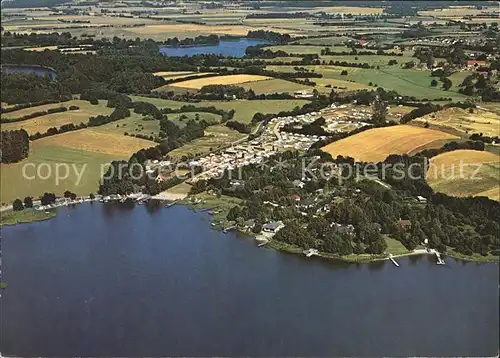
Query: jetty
[311,252]
[229,228]
[393,261]
[440,261]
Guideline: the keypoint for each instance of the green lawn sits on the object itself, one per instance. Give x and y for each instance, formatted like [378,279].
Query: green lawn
[178,118]
[372,60]
[136,123]
[275,85]
[24,216]
[297,49]
[395,247]
[325,41]
[14,185]
[159,102]
[246,109]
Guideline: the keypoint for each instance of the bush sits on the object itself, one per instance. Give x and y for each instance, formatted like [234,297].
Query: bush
[74,108]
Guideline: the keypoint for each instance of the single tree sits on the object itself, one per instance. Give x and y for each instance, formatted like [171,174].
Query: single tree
[17,205]
[28,202]
[379,111]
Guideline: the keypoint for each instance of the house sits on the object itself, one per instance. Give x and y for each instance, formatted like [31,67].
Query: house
[298,184]
[405,224]
[305,203]
[343,229]
[303,94]
[272,226]
[249,224]
[296,197]
[421,199]
[236,184]
[476,63]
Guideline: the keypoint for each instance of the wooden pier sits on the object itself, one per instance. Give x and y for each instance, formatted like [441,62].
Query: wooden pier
[393,261]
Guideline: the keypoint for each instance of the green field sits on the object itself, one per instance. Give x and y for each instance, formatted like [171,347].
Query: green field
[43,123]
[215,137]
[406,82]
[275,85]
[297,49]
[246,109]
[14,185]
[137,124]
[159,102]
[324,41]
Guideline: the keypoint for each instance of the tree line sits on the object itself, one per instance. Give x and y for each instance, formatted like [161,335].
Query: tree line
[39,114]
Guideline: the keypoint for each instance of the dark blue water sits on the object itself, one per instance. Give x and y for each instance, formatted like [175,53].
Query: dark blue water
[234,48]
[100,280]
[37,70]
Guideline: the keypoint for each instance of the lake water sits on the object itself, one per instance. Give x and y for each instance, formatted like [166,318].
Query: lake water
[37,70]
[234,48]
[104,280]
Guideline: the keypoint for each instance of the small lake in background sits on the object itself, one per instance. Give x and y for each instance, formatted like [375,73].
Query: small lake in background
[37,70]
[110,280]
[234,48]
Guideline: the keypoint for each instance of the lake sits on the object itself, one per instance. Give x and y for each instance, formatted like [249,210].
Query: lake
[234,48]
[109,280]
[37,70]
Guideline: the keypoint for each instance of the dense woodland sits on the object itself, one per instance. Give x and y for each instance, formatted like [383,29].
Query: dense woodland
[468,225]
[15,145]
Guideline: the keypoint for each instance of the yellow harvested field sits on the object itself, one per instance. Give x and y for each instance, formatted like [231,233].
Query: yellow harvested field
[480,121]
[466,173]
[350,10]
[43,123]
[90,140]
[219,80]
[238,30]
[172,73]
[375,145]
[493,194]
[39,49]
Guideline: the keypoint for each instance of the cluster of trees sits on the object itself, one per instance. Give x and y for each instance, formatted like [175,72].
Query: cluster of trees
[428,108]
[238,126]
[14,145]
[270,36]
[451,146]
[479,85]
[128,177]
[18,205]
[214,92]
[314,128]
[198,40]
[328,52]
[481,137]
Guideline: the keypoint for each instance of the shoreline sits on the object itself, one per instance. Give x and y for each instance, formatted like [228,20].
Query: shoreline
[273,244]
